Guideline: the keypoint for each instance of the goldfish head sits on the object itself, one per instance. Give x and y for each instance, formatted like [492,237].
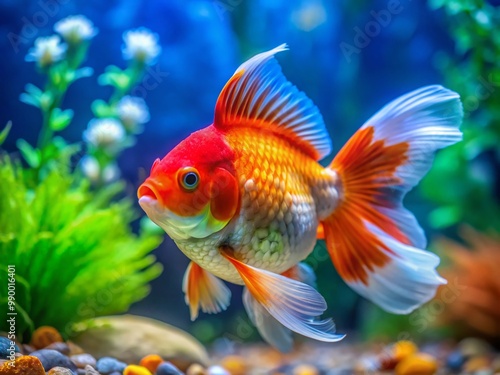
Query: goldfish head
[193,191]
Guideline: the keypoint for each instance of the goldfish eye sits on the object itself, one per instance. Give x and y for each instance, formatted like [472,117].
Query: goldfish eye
[189,178]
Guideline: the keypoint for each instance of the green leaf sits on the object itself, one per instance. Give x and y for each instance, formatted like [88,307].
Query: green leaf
[60,119]
[32,96]
[115,77]
[46,100]
[33,90]
[83,73]
[445,216]
[5,132]
[29,99]
[102,109]
[31,155]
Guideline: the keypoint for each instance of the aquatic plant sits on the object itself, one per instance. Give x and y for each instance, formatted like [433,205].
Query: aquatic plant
[463,182]
[473,307]
[67,233]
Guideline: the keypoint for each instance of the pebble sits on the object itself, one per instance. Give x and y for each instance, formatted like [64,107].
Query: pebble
[107,365]
[89,370]
[476,363]
[28,349]
[61,347]
[455,361]
[235,364]
[196,369]
[151,362]
[136,370]
[52,358]
[417,364]
[74,349]
[44,336]
[167,368]
[25,365]
[495,365]
[403,349]
[60,371]
[215,370]
[5,348]
[82,360]
[471,347]
[305,369]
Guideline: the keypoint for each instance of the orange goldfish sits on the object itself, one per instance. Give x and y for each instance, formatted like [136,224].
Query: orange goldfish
[246,200]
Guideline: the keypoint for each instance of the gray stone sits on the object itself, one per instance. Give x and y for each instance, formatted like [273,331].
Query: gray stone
[130,338]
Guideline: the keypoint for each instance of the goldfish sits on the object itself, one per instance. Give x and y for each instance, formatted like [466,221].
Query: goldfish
[246,200]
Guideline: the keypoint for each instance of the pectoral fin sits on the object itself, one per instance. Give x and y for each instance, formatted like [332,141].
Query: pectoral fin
[202,289]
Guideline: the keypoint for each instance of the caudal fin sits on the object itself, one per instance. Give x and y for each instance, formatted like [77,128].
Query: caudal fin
[374,242]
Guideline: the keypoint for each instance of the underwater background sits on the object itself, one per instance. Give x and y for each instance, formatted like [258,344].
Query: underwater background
[349,57]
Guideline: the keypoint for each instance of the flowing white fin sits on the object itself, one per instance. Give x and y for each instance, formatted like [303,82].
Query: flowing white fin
[292,303]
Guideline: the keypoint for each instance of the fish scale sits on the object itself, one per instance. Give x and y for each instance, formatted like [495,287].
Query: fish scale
[283,192]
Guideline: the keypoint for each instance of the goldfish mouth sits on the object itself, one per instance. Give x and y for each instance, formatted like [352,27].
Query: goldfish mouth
[147,190]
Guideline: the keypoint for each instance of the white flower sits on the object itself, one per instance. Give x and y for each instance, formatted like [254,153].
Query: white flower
[46,51]
[110,173]
[133,112]
[92,170]
[105,133]
[141,45]
[75,29]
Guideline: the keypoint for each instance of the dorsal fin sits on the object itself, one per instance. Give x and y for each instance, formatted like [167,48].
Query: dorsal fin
[259,95]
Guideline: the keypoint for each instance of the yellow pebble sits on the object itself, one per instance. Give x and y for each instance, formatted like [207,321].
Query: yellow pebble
[136,370]
[196,369]
[44,336]
[417,364]
[235,365]
[403,349]
[305,370]
[151,362]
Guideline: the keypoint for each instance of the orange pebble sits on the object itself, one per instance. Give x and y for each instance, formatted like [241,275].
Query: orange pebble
[136,370]
[25,365]
[44,336]
[305,370]
[151,362]
[417,364]
[403,349]
[234,364]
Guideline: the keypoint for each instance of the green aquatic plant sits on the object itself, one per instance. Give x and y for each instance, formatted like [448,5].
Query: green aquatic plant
[74,253]
[463,179]
[66,231]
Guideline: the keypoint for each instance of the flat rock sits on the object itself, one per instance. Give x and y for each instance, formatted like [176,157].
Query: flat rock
[129,338]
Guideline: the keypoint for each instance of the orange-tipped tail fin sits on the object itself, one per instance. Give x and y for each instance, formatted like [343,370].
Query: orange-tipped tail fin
[372,239]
